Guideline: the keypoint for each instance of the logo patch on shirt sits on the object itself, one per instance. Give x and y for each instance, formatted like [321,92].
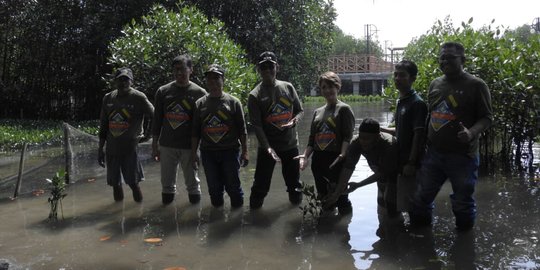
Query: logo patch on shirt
[280,113]
[215,129]
[441,116]
[177,116]
[325,137]
[118,124]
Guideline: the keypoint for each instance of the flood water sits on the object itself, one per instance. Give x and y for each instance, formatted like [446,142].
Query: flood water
[97,233]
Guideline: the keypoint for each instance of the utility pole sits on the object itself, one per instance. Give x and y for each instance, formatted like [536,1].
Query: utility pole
[536,25]
[368,29]
[369,33]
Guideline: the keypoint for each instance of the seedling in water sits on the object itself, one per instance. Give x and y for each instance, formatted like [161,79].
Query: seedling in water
[57,194]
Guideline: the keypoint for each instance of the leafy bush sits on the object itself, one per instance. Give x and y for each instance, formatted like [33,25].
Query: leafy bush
[508,63]
[149,47]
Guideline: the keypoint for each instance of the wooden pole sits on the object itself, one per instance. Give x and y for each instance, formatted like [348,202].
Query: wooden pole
[21,169]
[68,152]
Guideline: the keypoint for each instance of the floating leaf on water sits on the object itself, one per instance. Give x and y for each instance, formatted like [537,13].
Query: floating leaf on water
[175,268]
[38,192]
[154,240]
[105,238]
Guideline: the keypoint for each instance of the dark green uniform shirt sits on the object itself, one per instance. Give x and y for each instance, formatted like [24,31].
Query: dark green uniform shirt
[382,159]
[219,122]
[121,120]
[174,114]
[464,100]
[331,127]
[269,108]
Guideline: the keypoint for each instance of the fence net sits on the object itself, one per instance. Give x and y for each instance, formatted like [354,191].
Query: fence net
[76,153]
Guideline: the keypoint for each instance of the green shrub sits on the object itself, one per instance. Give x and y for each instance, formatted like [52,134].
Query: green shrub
[149,47]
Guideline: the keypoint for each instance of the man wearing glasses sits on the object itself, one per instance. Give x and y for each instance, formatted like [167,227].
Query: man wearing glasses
[274,109]
[460,110]
[172,127]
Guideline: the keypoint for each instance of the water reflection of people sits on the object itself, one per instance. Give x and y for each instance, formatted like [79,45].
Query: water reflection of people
[413,249]
[380,151]
[331,132]
[463,253]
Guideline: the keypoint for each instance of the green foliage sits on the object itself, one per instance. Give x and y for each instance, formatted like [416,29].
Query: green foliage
[58,188]
[13,133]
[299,32]
[312,204]
[509,65]
[53,55]
[345,98]
[149,46]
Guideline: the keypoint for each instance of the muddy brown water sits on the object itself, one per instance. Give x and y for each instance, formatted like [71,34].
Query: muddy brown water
[97,233]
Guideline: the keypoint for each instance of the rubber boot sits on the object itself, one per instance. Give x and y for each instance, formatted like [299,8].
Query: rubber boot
[137,194]
[118,193]
[167,198]
[194,198]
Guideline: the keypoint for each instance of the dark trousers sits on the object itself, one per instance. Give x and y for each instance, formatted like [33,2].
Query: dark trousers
[221,168]
[264,169]
[325,178]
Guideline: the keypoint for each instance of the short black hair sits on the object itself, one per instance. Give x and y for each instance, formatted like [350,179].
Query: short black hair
[184,58]
[369,125]
[409,66]
[456,45]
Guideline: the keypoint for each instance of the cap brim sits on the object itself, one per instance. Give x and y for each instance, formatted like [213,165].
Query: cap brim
[271,61]
[216,72]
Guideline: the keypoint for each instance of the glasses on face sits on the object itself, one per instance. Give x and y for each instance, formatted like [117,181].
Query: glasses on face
[448,57]
[267,66]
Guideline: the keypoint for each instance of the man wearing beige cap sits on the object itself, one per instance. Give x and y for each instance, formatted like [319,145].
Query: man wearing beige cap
[121,128]
[219,126]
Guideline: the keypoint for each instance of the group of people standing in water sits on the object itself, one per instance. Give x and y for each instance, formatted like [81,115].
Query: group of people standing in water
[428,143]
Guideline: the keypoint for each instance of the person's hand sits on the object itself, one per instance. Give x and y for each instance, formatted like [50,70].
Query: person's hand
[409,170]
[329,200]
[195,161]
[144,138]
[336,161]
[155,152]
[273,154]
[465,134]
[101,157]
[290,124]
[244,159]
[302,160]
[353,186]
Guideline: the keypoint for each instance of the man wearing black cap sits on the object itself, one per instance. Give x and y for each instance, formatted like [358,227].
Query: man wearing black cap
[219,125]
[274,109]
[121,126]
[171,130]
[380,150]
